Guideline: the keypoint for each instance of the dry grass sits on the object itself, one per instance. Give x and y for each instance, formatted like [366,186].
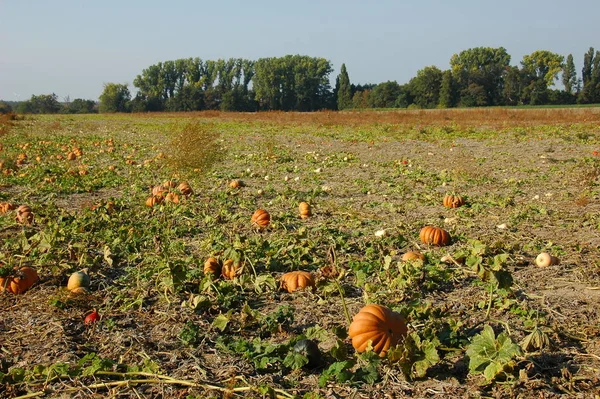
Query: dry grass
[196,147]
[469,117]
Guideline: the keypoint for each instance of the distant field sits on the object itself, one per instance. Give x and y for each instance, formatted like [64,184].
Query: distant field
[485,321]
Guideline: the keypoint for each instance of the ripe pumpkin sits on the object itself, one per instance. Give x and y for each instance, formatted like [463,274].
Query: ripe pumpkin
[154,200]
[305,210]
[7,206]
[185,189]
[434,236]
[380,326]
[413,255]
[169,184]
[159,190]
[212,266]
[79,279]
[24,214]
[21,280]
[71,156]
[236,183]
[297,280]
[261,218]
[172,197]
[453,201]
[231,269]
[545,259]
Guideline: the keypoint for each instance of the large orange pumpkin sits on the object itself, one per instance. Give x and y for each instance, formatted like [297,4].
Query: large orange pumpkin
[261,218]
[297,280]
[453,201]
[378,325]
[20,281]
[434,236]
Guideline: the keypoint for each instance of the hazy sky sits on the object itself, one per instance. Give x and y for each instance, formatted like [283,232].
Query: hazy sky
[73,47]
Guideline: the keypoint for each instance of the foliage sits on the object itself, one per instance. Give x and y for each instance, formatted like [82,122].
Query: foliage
[344,90]
[491,356]
[41,104]
[114,98]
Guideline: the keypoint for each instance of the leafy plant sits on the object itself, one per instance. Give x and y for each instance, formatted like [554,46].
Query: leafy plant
[415,355]
[492,356]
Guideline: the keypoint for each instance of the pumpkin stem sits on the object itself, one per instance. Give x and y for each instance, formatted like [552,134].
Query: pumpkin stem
[333,261]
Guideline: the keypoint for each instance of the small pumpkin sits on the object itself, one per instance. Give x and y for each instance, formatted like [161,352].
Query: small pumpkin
[413,255]
[7,206]
[297,280]
[236,183]
[24,216]
[378,325]
[305,210]
[71,156]
[21,280]
[159,190]
[231,269]
[212,266]
[453,201]
[169,184]
[434,236]
[185,189]
[309,349]
[261,218]
[545,259]
[172,197]
[154,200]
[79,279]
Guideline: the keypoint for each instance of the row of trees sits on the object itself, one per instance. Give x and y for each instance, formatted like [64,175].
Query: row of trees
[483,76]
[480,76]
[49,104]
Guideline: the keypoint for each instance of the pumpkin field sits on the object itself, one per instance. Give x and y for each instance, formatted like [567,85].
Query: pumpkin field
[439,253]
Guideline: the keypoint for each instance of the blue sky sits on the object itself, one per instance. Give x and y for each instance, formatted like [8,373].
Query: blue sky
[73,47]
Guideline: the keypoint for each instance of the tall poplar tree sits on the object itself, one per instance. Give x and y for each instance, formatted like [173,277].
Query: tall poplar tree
[569,75]
[344,93]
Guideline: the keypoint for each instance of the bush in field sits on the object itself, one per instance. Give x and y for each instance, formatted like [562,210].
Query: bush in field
[195,147]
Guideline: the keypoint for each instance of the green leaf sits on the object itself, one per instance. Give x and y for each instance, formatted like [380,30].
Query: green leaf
[490,355]
[221,322]
[108,255]
[295,360]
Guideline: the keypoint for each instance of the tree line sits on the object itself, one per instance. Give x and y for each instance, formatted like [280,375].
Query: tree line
[480,76]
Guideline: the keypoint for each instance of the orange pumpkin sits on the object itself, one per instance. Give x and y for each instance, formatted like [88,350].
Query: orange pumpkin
[154,200]
[159,190]
[413,255]
[434,236]
[236,183]
[21,281]
[297,280]
[231,269]
[453,201]
[185,189]
[7,206]
[212,266]
[169,184]
[379,326]
[71,156]
[261,218]
[172,197]
[305,210]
